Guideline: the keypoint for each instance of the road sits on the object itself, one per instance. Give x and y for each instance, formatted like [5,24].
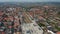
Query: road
[30,26]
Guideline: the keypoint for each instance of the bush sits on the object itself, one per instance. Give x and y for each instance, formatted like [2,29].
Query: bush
[40,24]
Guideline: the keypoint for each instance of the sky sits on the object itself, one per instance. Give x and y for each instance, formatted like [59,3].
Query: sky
[29,0]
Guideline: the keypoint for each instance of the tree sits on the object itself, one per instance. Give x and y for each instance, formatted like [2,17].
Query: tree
[59,13]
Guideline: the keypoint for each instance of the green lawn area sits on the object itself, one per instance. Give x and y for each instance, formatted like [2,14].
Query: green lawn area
[57,28]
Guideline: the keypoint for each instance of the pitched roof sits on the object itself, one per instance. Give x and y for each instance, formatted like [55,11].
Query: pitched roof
[58,32]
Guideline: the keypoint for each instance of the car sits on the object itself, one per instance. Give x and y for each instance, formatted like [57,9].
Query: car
[28,32]
[2,28]
[1,24]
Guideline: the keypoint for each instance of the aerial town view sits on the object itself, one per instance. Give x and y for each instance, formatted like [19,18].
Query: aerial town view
[30,17]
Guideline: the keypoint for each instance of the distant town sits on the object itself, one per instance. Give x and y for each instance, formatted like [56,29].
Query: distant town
[30,18]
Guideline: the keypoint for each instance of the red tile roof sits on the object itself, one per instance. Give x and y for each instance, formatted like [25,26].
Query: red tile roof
[58,32]
[40,17]
[31,13]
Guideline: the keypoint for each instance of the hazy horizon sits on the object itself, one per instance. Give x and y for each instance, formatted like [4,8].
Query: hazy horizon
[29,0]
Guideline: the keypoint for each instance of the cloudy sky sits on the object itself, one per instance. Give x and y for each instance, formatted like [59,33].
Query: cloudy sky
[29,0]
